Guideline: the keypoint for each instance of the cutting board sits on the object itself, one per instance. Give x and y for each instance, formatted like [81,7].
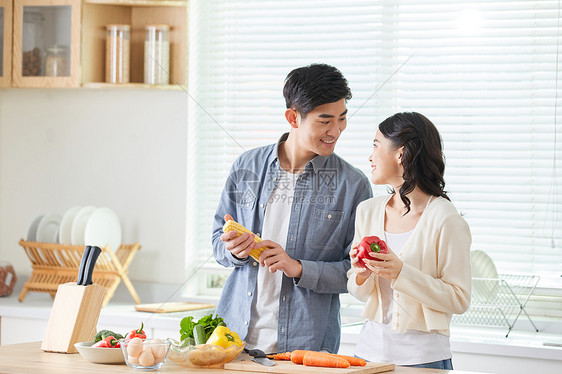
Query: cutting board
[179,306]
[289,368]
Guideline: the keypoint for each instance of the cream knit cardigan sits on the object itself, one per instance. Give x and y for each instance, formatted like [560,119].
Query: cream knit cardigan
[435,280]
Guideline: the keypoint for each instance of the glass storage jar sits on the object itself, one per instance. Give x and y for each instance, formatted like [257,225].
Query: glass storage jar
[157,54]
[117,52]
[56,61]
[32,42]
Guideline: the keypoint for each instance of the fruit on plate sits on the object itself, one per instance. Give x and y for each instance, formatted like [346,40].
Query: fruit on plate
[370,244]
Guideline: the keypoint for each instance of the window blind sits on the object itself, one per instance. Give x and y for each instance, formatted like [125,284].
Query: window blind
[485,72]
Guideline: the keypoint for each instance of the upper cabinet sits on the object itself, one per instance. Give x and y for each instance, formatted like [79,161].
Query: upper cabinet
[5,43]
[93,43]
[46,43]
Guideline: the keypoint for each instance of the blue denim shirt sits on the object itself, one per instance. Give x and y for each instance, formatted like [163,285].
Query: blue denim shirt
[321,229]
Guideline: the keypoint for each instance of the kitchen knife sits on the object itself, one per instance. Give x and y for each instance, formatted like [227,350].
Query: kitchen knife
[259,357]
[90,264]
[83,265]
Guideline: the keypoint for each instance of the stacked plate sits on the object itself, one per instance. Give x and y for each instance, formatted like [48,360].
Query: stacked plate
[80,225]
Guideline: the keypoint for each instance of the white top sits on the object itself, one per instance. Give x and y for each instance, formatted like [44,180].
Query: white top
[262,332]
[379,343]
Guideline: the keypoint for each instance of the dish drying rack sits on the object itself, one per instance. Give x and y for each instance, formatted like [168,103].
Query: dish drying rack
[499,301]
[54,264]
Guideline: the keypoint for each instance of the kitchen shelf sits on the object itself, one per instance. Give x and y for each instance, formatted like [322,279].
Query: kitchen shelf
[55,264]
[136,13]
[98,85]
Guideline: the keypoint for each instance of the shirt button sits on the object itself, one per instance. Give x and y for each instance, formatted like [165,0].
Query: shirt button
[249,294]
[255,263]
[257,234]
[329,216]
[261,205]
[282,329]
[284,297]
[246,323]
[274,179]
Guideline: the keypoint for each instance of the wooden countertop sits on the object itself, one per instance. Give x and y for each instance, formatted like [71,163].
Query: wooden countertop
[29,358]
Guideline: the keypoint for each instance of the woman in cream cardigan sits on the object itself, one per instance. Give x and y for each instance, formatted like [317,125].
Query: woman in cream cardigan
[412,293]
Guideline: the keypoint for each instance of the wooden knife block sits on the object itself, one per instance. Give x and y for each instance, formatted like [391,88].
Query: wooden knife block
[74,317]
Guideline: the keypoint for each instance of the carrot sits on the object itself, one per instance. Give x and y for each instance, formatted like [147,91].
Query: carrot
[280,356]
[324,360]
[353,361]
[297,356]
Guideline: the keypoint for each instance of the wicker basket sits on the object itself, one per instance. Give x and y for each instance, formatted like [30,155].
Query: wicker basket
[54,264]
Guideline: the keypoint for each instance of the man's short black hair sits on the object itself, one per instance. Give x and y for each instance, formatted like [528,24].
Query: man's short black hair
[313,85]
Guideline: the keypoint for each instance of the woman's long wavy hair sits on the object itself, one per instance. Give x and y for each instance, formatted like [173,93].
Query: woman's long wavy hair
[422,159]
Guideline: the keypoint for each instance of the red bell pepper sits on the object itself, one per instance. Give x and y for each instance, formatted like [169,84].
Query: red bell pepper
[367,245]
[137,333]
[108,342]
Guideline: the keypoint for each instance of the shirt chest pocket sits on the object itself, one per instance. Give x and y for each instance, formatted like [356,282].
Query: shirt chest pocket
[326,230]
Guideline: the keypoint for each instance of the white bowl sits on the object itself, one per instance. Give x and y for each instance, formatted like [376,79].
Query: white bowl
[100,355]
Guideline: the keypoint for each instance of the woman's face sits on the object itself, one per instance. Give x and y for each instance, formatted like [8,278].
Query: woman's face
[386,166]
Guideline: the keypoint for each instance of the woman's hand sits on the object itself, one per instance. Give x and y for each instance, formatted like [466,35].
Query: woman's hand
[275,258]
[361,274]
[389,267]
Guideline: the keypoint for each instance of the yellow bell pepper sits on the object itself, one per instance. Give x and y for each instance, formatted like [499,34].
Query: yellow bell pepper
[223,337]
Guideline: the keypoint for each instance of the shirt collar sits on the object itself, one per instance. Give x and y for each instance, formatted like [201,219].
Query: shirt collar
[317,162]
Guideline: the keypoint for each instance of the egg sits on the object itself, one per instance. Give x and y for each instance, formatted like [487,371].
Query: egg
[158,349]
[134,348]
[133,359]
[146,358]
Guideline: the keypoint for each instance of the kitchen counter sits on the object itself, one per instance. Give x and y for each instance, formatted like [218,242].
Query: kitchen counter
[29,358]
[477,349]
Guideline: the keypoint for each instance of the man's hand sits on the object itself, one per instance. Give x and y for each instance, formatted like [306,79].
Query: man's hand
[275,258]
[240,246]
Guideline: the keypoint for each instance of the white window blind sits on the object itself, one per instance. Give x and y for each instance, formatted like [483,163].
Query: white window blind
[485,72]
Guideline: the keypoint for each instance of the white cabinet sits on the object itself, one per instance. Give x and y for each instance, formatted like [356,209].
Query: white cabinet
[14,330]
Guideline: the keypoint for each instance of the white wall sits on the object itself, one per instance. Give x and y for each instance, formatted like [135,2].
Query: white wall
[124,149]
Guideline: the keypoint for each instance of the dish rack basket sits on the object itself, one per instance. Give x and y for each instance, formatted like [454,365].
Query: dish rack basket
[499,301]
[54,264]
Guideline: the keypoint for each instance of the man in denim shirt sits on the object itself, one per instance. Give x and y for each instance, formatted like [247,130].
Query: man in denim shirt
[302,198]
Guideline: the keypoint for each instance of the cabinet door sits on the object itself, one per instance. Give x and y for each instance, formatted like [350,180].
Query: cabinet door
[46,43]
[5,42]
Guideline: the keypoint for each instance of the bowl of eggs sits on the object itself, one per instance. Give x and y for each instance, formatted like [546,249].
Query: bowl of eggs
[145,354]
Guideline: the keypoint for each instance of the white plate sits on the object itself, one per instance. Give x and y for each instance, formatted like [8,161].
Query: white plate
[100,355]
[32,229]
[103,229]
[48,228]
[65,229]
[483,267]
[79,225]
